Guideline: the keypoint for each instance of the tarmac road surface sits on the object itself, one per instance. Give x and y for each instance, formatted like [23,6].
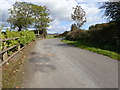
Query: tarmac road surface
[54,64]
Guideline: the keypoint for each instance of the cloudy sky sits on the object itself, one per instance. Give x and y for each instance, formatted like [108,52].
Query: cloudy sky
[60,11]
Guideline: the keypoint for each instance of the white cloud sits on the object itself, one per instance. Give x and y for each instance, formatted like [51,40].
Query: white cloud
[4,6]
[56,27]
[92,12]
[60,11]
[92,0]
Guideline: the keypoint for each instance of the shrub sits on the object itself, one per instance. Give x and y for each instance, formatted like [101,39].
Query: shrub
[61,35]
[105,36]
[25,38]
[77,35]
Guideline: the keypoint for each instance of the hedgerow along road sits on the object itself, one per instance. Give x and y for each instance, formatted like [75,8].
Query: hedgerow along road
[54,64]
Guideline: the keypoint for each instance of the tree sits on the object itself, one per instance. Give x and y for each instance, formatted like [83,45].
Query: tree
[73,27]
[20,15]
[41,18]
[24,14]
[112,10]
[78,16]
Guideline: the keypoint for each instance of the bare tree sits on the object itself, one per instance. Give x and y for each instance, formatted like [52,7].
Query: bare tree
[78,16]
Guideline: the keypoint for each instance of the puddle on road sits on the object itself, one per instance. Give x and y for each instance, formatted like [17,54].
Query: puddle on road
[46,43]
[45,55]
[35,53]
[41,64]
[47,47]
[39,60]
[45,68]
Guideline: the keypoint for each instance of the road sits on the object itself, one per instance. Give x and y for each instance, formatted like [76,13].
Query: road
[54,64]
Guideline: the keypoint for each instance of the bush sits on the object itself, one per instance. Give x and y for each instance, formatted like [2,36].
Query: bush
[61,35]
[1,43]
[105,36]
[25,38]
[77,35]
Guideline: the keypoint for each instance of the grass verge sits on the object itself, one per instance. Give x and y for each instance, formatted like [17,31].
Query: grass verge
[12,74]
[85,46]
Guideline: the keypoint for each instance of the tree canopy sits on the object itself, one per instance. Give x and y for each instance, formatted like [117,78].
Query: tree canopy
[20,15]
[78,16]
[112,10]
[41,18]
[24,14]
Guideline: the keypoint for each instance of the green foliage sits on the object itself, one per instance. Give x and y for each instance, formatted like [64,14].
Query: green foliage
[106,36]
[105,33]
[24,14]
[41,18]
[25,38]
[77,35]
[112,10]
[89,46]
[61,35]
[20,15]
[9,34]
[1,37]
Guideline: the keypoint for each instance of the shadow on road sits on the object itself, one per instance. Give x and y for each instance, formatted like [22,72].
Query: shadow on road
[64,45]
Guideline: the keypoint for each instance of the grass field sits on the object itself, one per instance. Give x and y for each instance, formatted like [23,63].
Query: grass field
[86,46]
[50,36]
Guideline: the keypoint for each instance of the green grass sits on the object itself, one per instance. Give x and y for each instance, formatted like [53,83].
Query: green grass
[86,46]
[50,36]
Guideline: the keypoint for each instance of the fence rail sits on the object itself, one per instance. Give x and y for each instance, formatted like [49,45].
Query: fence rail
[3,40]
[4,53]
[5,50]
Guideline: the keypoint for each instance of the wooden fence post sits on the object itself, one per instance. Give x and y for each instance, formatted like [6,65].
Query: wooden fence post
[5,56]
[18,47]
[4,53]
[1,58]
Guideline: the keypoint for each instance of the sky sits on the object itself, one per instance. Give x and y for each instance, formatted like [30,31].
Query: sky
[60,12]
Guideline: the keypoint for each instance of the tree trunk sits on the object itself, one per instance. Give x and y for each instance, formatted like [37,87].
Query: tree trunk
[44,33]
[19,28]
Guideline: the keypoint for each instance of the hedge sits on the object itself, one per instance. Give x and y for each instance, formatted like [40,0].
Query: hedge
[106,36]
[25,38]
